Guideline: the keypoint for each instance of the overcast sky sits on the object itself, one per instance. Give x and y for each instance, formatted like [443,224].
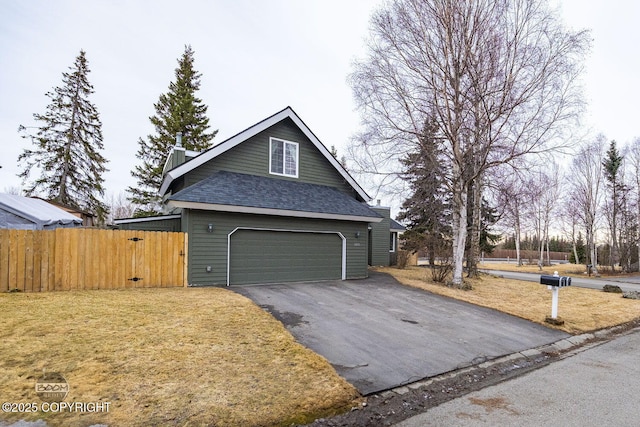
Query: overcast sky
[256,57]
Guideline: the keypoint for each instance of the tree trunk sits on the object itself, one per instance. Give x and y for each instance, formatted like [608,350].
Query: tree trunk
[459,224]
[540,231]
[615,252]
[518,235]
[546,239]
[476,229]
[593,260]
[573,240]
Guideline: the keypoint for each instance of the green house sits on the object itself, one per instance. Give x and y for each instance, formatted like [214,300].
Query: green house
[270,204]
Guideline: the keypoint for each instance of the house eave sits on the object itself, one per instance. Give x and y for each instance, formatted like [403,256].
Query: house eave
[270,211]
[145,219]
[228,144]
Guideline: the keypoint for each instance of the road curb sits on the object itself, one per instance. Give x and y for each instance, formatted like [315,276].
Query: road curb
[560,349]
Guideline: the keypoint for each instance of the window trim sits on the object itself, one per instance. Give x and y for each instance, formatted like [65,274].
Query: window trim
[393,242]
[284,150]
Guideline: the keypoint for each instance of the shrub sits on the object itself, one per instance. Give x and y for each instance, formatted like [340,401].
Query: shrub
[612,288]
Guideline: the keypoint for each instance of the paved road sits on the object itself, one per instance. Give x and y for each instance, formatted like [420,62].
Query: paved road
[379,334]
[625,283]
[598,387]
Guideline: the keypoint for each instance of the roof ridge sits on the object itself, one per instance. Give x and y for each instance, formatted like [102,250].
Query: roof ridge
[251,131]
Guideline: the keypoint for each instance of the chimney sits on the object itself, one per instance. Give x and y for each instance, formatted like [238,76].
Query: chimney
[378,202]
[176,156]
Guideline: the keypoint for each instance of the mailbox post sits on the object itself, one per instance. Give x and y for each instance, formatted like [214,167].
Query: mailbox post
[554,283]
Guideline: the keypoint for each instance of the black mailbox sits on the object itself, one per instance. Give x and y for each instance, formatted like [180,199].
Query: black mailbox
[557,281]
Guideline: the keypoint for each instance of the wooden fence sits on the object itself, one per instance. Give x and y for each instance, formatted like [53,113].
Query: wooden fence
[83,258]
[526,255]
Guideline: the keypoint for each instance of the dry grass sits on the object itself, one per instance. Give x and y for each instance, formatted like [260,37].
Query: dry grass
[582,309]
[562,269]
[163,357]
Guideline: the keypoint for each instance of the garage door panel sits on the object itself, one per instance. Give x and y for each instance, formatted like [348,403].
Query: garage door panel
[259,256]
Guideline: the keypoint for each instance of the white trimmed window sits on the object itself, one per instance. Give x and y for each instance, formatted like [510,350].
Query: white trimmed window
[392,242]
[283,157]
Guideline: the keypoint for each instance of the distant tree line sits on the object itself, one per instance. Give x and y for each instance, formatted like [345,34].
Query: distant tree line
[532,243]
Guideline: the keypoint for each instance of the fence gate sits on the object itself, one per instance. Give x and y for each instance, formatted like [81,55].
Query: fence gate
[66,258]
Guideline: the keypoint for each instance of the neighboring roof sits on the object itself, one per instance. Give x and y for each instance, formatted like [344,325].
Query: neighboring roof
[226,145]
[36,210]
[145,219]
[67,208]
[237,192]
[396,226]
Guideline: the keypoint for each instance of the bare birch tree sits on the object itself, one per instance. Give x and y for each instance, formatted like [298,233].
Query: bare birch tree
[499,76]
[586,191]
[570,216]
[543,190]
[634,160]
[510,197]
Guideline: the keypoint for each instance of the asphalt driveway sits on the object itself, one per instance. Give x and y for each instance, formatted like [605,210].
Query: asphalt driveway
[379,334]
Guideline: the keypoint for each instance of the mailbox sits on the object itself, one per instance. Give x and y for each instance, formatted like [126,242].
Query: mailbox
[556,281]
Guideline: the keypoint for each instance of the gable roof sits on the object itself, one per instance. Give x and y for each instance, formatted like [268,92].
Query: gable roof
[36,210]
[228,144]
[237,192]
[396,226]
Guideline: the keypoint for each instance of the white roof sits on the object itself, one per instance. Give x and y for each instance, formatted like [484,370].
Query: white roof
[36,210]
[248,133]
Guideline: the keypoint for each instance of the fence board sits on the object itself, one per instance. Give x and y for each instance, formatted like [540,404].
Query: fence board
[20,260]
[185,260]
[4,260]
[170,256]
[28,261]
[13,262]
[45,255]
[67,259]
[148,245]
[36,280]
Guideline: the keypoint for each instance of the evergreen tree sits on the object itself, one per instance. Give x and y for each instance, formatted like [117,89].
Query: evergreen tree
[426,211]
[67,146]
[179,110]
[611,166]
[488,239]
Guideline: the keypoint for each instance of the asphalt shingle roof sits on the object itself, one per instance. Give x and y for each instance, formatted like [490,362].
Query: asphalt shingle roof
[396,226]
[237,189]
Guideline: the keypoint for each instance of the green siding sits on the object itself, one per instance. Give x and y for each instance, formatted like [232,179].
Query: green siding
[153,225]
[252,157]
[259,256]
[210,249]
[176,158]
[380,235]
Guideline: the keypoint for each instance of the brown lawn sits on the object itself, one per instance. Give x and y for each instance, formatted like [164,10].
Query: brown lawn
[163,357]
[186,356]
[582,309]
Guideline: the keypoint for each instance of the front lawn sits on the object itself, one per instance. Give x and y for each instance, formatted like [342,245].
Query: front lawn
[178,356]
[583,310]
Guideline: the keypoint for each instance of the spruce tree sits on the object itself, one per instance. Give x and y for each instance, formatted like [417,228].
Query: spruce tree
[179,110]
[611,166]
[425,212]
[67,146]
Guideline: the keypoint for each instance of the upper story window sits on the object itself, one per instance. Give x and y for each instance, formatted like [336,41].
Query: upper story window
[283,157]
